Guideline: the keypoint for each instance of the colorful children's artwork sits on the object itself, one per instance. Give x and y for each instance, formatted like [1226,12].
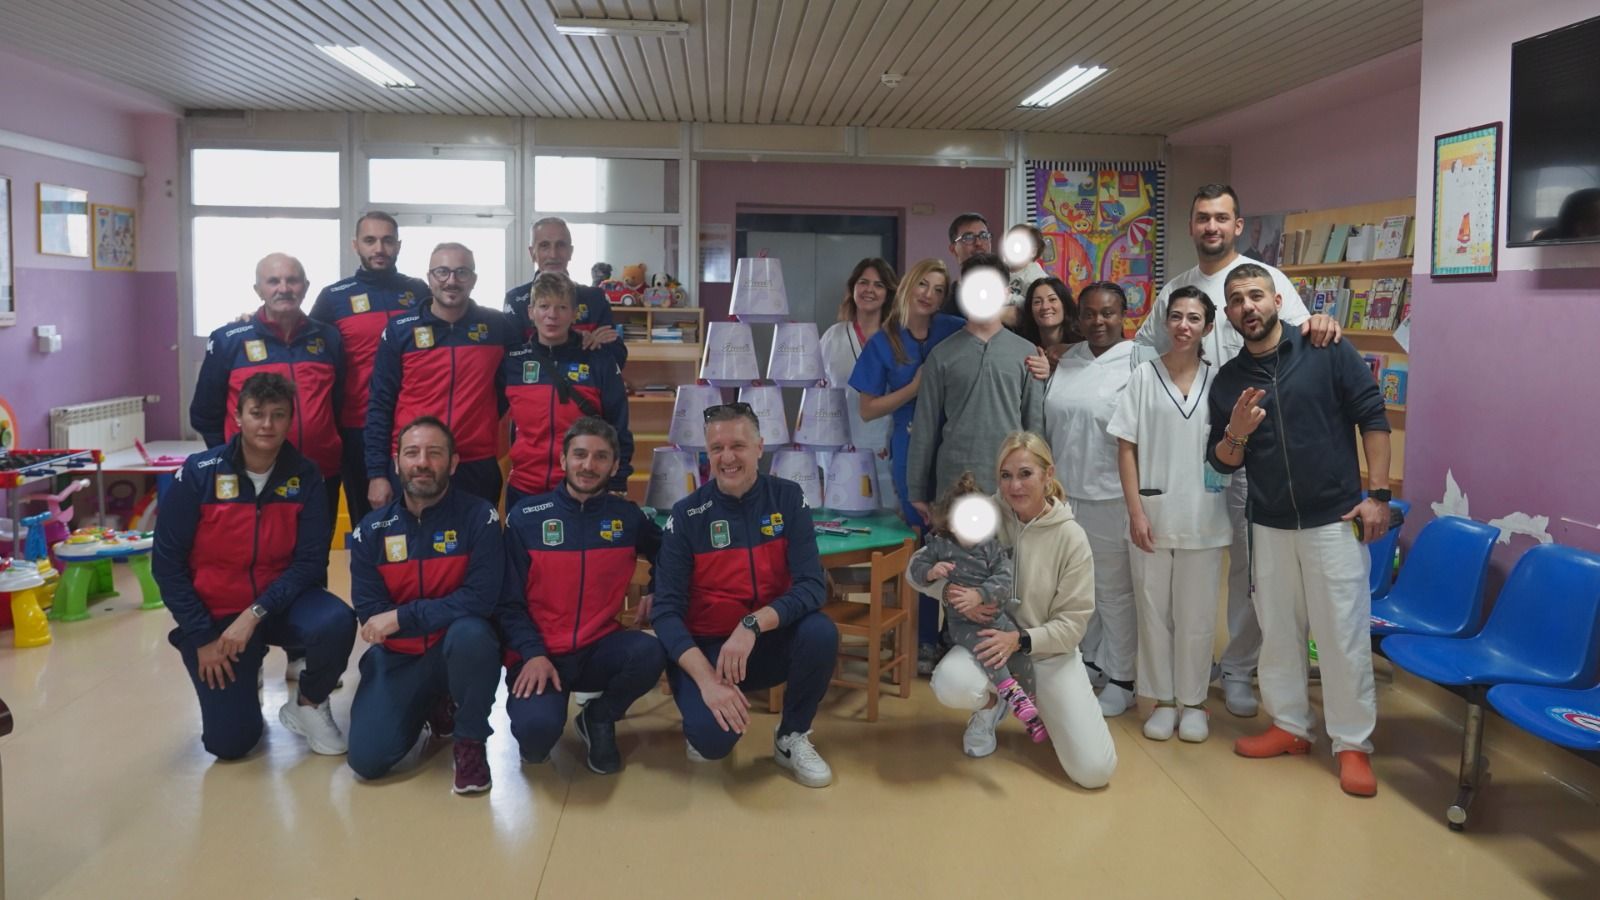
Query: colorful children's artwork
[115,238]
[1102,222]
[1466,202]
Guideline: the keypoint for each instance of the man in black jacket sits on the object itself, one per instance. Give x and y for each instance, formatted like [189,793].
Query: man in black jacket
[1289,410]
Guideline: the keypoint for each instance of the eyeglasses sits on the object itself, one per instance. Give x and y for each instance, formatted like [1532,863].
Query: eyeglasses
[443,273]
[723,411]
[973,237]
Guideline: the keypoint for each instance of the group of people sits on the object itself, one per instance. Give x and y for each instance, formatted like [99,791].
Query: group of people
[1116,469]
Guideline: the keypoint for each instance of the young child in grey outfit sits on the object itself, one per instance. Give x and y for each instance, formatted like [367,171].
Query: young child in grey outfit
[985,567]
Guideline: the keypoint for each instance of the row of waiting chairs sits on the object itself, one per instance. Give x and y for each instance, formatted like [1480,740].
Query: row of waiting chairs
[1535,659]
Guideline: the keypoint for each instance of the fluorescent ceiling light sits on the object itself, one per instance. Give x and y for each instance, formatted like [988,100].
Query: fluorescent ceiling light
[1062,85]
[620,27]
[367,64]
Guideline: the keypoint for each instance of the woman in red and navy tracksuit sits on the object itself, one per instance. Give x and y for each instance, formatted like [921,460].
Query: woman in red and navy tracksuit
[570,558]
[241,551]
[550,382]
[425,573]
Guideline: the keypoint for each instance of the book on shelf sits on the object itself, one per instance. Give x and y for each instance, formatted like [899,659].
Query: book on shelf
[1304,287]
[1391,237]
[1316,245]
[1337,238]
[1393,384]
[1360,245]
[1355,316]
[1377,362]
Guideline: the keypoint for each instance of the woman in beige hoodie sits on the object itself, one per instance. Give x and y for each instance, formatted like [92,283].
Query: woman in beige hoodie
[1055,584]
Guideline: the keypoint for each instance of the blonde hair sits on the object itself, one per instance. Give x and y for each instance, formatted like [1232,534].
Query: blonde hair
[1040,449]
[554,284]
[901,308]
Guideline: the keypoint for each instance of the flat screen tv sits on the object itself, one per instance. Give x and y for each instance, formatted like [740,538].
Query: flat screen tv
[1553,190]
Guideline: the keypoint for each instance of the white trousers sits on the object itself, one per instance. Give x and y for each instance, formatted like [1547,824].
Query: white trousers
[1111,640]
[1065,700]
[1244,632]
[1177,604]
[1316,577]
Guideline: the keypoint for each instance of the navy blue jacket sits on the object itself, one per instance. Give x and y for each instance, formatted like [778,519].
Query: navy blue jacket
[535,378]
[593,311]
[360,307]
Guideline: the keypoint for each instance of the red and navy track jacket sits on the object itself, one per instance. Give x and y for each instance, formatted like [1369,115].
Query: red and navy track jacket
[360,307]
[220,547]
[568,566]
[429,367]
[540,419]
[593,311]
[724,557]
[435,569]
[312,358]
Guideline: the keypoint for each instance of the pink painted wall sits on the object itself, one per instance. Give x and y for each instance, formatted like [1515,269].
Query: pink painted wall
[727,187]
[1503,369]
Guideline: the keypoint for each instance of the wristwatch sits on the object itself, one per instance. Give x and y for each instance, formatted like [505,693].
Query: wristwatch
[1025,643]
[749,621]
[1382,495]
[259,611]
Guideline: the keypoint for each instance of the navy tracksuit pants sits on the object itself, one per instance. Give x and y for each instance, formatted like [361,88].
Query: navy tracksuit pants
[623,666]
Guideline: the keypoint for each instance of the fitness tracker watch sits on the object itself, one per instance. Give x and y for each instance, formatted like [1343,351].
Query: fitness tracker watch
[1025,643]
[1382,495]
[749,621]
[259,611]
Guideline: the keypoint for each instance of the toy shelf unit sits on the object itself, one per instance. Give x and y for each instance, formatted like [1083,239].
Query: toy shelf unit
[660,333]
[21,468]
[664,349]
[1354,263]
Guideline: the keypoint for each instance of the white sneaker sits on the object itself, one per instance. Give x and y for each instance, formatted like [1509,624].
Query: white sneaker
[413,757]
[316,725]
[1194,725]
[291,672]
[1161,723]
[796,753]
[1115,700]
[978,741]
[1239,698]
[693,754]
[582,698]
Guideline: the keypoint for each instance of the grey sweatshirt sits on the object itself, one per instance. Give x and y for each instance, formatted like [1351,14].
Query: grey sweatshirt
[973,394]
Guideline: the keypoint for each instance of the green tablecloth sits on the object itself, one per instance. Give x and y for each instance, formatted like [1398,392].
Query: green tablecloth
[887,530]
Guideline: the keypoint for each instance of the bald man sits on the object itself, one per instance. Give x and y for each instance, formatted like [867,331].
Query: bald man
[278,338]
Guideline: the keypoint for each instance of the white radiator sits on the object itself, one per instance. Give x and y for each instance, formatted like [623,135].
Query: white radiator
[105,425]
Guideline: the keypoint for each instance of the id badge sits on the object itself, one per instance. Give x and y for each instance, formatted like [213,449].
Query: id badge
[1216,482]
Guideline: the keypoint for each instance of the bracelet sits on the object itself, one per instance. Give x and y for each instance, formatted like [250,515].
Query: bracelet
[1236,443]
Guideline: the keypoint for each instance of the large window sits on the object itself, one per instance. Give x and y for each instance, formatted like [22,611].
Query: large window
[621,211]
[486,240]
[277,178]
[437,182]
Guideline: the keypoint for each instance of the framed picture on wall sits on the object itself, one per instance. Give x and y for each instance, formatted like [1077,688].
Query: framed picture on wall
[115,237]
[1466,202]
[63,221]
[8,297]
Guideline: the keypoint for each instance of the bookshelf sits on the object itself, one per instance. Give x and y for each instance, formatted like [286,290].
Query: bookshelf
[653,361]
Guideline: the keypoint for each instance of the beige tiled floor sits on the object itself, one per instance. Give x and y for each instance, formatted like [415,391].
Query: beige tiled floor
[109,794]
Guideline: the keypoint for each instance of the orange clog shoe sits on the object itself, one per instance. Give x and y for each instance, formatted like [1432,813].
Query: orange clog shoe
[1272,742]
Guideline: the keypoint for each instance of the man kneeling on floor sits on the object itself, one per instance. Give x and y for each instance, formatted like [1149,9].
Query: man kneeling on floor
[240,551]
[425,572]
[738,593]
[569,559]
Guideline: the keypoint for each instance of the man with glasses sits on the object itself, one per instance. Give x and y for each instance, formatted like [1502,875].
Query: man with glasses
[739,591]
[969,235]
[551,251]
[442,360]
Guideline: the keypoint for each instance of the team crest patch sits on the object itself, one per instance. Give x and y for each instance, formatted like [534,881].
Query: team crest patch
[719,534]
[578,372]
[478,332]
[315,346]
[255,351]
[583,311]
[394,548]
[423,336]
[227,487]
[360,303]
[772,525]
[554,533]
[445,541]
[290,488]
[612,530]
[530,372]
[407,298]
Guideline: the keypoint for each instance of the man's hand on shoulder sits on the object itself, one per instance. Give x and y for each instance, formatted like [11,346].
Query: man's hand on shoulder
[1322,330]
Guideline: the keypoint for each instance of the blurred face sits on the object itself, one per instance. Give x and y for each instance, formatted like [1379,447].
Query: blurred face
[734,447]
[1215,225]
[1186,323]
[281,284]
[869,292]
[968,241]
[1048,310]
[589,463]
[1253,307]
[552,317]
[1100,320]
[552,248]
[927,295]
[425,463]
[451,275]
[1023,478]
[378,244]
[263,426]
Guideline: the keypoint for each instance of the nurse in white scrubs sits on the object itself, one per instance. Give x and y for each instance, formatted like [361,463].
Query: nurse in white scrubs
[1177,518]
[1079,400]
[867,296]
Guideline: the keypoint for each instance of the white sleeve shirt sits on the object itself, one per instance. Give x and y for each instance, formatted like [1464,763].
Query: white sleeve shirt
[1078,403]
[1224,343]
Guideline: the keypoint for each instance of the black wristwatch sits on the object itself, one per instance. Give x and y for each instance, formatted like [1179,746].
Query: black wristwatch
[749,621]
[1382,495]
[1025,643]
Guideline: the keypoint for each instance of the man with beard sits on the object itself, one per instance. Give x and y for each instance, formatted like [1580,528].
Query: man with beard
[569,560]
[551,251]
[361,306]
[442,360]
[425,572]
[1289,410]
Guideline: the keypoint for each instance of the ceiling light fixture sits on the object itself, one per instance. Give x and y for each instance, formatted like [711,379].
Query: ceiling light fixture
[1068,82]
[367,64]
[620,28]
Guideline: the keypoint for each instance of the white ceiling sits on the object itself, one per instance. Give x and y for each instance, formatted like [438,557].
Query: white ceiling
[966,63]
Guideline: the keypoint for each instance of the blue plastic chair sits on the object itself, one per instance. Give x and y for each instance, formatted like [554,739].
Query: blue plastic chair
[1382,551]
[1565,717]
[1441,586]
[1544,630]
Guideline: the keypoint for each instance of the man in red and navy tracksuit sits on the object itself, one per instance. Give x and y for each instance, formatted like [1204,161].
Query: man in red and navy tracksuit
[569,559]
[425,574]
[361,306]
[551,251]
[443,360]
[738,596]
[551,382]
[240,554]
[278,338]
